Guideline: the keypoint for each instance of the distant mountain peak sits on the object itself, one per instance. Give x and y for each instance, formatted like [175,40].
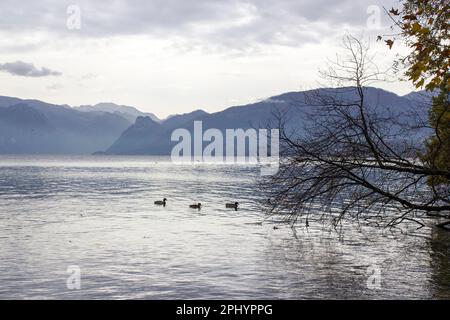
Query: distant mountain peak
[144,121]
[131,113]
[193,113]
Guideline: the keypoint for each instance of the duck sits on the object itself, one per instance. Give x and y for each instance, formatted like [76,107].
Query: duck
[196,206]
[232,205]
[161,203]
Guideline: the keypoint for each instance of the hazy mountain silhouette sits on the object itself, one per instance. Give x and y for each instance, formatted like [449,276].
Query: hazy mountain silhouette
[421,97]
[130,113]
[142,136]
[36,127]
[150,138]
[178,120]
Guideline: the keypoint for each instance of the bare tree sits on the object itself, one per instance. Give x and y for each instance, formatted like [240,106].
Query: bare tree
[355,157]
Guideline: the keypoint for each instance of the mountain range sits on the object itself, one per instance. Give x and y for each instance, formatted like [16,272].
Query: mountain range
[36,127]
[129,113]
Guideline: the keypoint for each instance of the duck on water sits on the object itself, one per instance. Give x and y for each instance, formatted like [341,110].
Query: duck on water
[161,203]
[198,206]
[232,205]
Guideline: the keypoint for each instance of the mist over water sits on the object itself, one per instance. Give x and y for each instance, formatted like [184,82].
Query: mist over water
[97,213]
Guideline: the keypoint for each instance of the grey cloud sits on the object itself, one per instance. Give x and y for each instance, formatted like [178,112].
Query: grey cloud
[231,23]
[20,68]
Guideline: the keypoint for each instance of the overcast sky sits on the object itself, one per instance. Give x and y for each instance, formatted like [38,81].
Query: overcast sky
[174,56]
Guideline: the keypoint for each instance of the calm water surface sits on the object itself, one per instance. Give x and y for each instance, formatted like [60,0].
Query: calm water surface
[97,213]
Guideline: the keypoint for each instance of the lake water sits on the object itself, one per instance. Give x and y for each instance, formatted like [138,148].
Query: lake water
[97,213]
